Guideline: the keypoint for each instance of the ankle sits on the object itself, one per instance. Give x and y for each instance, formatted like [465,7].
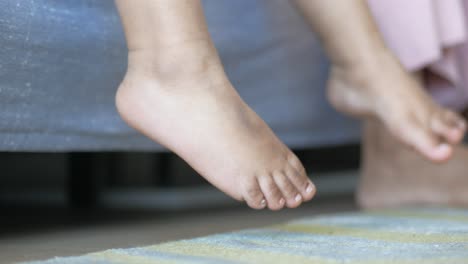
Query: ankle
[179,62]
[364,73]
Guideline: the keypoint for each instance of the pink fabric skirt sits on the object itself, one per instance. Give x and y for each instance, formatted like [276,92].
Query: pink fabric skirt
[429,35]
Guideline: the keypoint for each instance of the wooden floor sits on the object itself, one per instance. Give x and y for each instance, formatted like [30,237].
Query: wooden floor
[41,233]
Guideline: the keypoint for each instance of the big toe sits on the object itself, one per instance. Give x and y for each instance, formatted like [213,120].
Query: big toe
[440,152]
[301,181]
[449,126]
[429,145]
[298,176]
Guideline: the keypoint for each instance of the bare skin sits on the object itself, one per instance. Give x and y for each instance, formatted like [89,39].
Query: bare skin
[366,80]
[176,92]
[393,176]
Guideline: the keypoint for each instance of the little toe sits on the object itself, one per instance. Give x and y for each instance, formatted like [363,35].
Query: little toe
[449,126]
[273,194]
[292,196]
[302,183]
[253,195]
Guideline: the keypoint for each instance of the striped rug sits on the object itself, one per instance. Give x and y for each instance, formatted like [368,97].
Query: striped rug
[397,236]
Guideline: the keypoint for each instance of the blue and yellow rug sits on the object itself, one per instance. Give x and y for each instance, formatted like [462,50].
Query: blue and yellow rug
[398,236]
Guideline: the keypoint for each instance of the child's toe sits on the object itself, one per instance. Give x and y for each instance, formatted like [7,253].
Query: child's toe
[253,195]
[292,196]
[428,144]
[272,193]
[301,182]
[449,126]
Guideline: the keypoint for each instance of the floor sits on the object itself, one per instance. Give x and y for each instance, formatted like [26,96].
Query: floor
[41,233]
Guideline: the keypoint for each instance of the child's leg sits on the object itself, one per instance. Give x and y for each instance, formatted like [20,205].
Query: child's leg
[176,92]
[392,175]
[367,80]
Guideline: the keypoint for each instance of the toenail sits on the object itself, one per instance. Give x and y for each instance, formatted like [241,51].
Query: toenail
[443,147]
[298,198]
[461,124]
[309,188]
[282,201]
[263,203]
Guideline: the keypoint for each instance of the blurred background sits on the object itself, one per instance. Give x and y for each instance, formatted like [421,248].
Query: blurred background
[73,203]
[75,178]
[160,181]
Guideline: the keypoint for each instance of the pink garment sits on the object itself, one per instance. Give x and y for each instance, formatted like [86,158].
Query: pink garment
[430,35]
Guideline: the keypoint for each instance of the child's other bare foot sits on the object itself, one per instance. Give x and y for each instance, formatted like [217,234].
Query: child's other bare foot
[383,90]
[394,176]
[187,104]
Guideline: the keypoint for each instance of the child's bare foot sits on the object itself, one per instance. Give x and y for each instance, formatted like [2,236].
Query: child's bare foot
[189,106]
[382,89]
[395,176]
